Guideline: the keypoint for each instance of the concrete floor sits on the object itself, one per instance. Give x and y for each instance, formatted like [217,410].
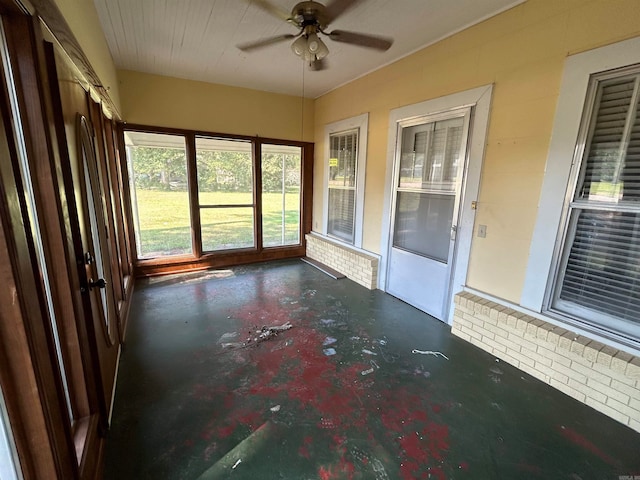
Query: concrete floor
[338,396]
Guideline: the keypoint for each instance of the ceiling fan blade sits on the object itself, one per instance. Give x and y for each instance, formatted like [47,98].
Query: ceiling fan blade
[361,39]
[335,8]
[265,42]
[275,11]
[318,65]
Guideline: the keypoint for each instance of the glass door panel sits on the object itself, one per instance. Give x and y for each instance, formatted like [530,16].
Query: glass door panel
[427,180]
[421,216]
[281,180]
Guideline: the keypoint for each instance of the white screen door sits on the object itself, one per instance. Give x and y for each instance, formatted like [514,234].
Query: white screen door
[429,170]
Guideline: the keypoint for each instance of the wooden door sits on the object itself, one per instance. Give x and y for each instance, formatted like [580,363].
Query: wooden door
[86,221]
[95,274]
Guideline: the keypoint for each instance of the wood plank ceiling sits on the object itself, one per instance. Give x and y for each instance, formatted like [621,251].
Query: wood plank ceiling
[196,39]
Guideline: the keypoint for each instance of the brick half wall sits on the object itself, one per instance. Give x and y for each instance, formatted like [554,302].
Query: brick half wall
[356,265]
[603,377]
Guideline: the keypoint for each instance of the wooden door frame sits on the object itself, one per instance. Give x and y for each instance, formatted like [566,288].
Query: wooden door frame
[29,371]
[29,374]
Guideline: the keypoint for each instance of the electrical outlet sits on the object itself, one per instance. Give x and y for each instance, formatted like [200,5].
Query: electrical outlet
[482,231]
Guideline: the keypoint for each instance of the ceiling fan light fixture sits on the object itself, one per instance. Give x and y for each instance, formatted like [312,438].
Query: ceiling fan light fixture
[313,43]
[309,47]
[313,18]
[299,47]
[317,47]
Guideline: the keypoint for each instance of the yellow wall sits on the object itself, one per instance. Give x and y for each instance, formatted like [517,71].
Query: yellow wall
[173,102]
[82,17]
[522,52]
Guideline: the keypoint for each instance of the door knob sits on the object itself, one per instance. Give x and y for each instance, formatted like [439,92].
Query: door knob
[100,283]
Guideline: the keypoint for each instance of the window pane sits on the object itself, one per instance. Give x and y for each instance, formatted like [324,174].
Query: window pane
[9,461]
[281,180]
[612,164]
[341,213]
[430,157]
[225,177]
[423,224]
[414,148]
[343,159]
[603,268]
[226,228]
[160,201]
[342,184]
[224,167]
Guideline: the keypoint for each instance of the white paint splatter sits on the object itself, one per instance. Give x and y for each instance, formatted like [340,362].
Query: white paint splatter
[430,352]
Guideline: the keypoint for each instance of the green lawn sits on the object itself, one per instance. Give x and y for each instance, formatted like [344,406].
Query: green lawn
[165,228]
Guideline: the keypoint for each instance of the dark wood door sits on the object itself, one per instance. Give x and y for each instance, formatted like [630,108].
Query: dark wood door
[85,190]
[95,274]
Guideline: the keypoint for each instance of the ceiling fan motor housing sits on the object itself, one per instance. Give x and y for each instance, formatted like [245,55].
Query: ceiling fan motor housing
[310,13]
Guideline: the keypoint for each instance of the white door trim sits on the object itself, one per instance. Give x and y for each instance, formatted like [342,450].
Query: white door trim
[480,99]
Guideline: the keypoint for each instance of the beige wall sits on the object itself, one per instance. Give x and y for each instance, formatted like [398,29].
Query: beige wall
[82,17]
[522,52]
[173,102]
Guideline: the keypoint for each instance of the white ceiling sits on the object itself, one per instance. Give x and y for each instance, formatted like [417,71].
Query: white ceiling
[196,39]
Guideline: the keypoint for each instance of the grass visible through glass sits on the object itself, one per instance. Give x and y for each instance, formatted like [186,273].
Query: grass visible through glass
[281,175]
[160,201]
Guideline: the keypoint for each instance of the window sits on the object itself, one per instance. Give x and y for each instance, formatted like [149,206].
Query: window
[225,193]
[598,277]
[160,199]
[206,199]
[344,183]
[572,206]
[281,182]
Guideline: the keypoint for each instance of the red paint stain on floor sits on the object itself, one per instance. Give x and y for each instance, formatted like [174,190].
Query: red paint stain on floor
[582,442]
[343,470]
[303,451]
[292,369]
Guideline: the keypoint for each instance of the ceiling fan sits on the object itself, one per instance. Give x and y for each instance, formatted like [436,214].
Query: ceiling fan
[311,19]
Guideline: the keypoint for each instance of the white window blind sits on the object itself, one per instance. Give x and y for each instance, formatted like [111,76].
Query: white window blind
[600,271]
[343,158]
